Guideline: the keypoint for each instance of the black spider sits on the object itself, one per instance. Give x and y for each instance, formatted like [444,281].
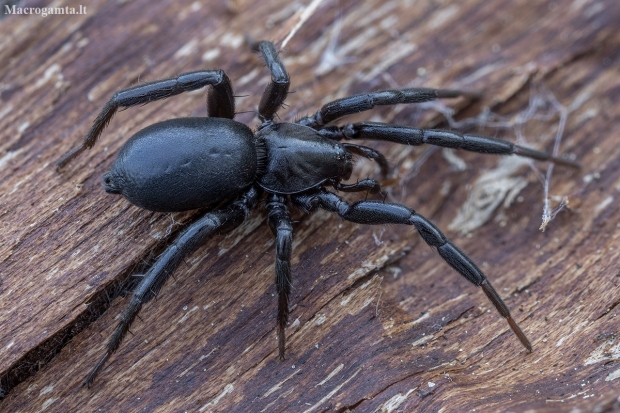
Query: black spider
[216,163]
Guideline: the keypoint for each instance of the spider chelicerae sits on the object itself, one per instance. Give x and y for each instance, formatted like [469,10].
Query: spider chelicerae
[221,165]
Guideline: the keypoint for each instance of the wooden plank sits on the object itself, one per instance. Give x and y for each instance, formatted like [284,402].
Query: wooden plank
[412,336]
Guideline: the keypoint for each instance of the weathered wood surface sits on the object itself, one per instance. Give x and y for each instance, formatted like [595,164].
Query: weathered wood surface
[411,337]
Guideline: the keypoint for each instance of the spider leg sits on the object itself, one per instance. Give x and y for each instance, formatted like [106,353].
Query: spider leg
[277,89]
[188,241]
[366,101]
[220,101]
[375,212]
[280,222]
[369,153]
[448,139]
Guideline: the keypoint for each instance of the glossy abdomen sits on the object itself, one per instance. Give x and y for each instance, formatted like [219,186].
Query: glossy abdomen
[183,164]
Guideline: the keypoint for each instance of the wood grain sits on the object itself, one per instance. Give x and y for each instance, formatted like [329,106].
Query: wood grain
[379,322]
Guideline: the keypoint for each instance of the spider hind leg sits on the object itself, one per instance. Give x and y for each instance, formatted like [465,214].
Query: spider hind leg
[189,240]
[220,102]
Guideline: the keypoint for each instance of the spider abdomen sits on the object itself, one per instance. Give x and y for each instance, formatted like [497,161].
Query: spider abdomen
[183,164]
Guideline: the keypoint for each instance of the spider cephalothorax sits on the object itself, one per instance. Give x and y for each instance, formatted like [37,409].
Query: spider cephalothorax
[221,165]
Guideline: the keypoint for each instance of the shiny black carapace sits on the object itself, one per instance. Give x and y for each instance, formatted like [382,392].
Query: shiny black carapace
[222,165]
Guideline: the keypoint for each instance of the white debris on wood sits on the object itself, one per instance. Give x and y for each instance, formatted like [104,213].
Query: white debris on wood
[488,193]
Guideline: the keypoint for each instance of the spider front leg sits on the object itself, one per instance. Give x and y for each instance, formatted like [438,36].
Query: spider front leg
[220,101]
[366,101]
[374,212]
[188,241]
[280,223]
[407,135]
